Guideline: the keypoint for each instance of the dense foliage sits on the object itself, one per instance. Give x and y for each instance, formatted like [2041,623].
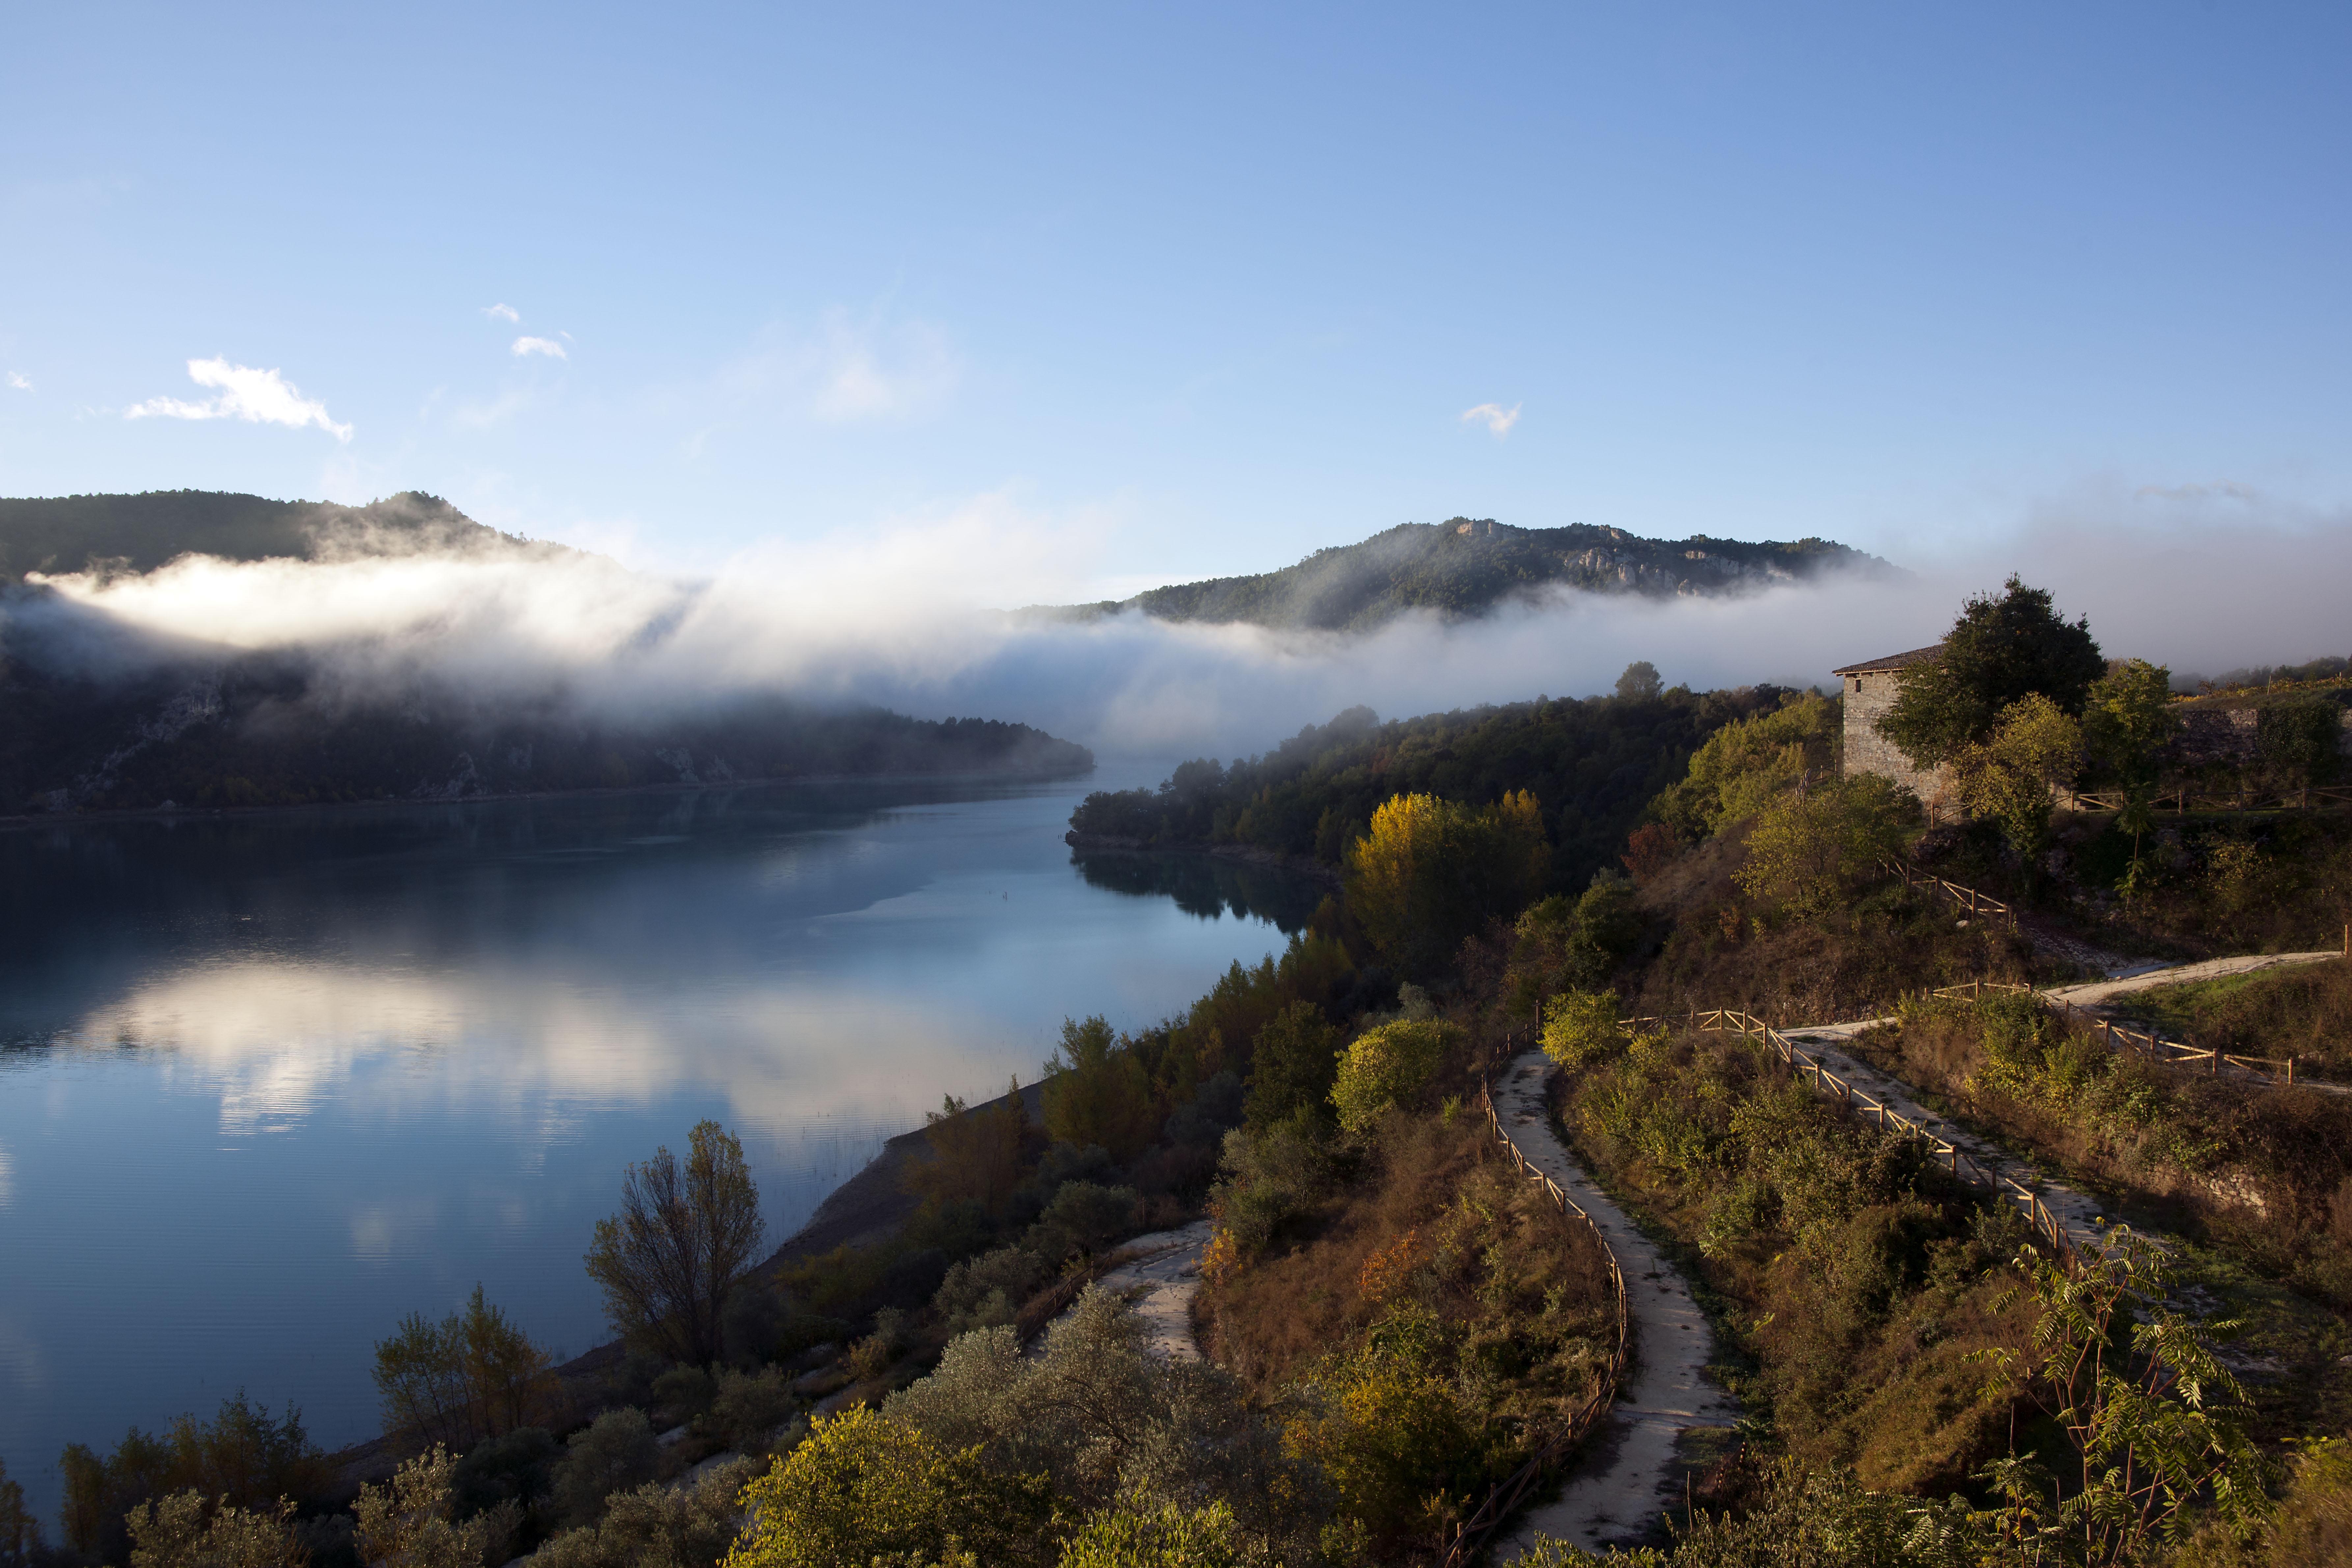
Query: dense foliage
[1466,567]
[1592,766]
[2000,650]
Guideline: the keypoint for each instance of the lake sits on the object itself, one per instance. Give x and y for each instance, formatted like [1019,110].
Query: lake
[267,1083]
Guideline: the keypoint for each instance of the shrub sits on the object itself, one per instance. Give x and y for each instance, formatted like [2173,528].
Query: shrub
[1269,1176]
[1105,1420]
[1391,1430]
[750,1406]
[1083,1218]
[986,1291]
[975,1154]
[1170,1536]
[862,1487]
[472,1376]
[180,1531]
[242,1454]
[615,1451]
[656,1525]
[1581,1027]
[410,1521]
[518,1468]
[1292,1064]
[1386,1066]
[1741,768]
[682,1393]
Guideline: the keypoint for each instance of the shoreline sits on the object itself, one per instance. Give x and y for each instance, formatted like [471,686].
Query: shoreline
[1304,866]
[10,822]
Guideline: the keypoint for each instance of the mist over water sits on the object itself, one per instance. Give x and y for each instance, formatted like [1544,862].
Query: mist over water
[2198,581]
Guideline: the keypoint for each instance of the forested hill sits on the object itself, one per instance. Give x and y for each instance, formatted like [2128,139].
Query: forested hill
[63,534]
[96,713]
[1591,763]
[1465,567]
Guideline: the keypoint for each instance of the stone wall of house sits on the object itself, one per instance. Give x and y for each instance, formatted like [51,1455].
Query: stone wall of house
[1867,696]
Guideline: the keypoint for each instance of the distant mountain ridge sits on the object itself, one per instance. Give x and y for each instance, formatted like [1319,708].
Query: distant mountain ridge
[96,713]
[58,535]
[1467,566]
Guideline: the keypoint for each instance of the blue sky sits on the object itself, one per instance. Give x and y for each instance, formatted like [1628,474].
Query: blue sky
[1210,287]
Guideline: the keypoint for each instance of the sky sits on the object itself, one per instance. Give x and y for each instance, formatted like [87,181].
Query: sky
[1187,291]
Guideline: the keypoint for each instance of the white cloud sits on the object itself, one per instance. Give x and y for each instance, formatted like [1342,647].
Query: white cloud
[255,396]
[525,347]
[1498,418]
[503,313]
[20,381]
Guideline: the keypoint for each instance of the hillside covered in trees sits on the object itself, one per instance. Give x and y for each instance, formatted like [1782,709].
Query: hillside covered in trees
[96,713]
[1466,566]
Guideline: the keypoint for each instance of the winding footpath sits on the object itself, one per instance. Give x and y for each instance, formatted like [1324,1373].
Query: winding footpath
[1634,1463]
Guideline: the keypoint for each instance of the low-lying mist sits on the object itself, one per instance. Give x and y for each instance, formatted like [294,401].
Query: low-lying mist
[900,621]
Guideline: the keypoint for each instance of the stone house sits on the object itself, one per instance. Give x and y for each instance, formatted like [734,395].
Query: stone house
[1869,691]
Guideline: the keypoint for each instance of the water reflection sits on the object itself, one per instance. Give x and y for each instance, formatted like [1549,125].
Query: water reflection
[1206,885]
[267,1084]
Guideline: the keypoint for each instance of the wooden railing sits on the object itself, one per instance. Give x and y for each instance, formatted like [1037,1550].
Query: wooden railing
[2275,1071]
[1967,898]
[1802,1064]
[1508,1494]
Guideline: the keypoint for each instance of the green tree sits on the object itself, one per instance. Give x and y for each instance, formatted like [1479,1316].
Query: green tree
[2035,749]
[1744,765]
[1292,1064]
[1098,1091]
[683,1239]
[1640,683]
[1429,872]
[1388,1065]
[1807,849]
[243,1456]
[863,1489]
[1999,651]
[472,1376]
[1581,1027]
[2127,721]
[2154,1423]
[978,1154]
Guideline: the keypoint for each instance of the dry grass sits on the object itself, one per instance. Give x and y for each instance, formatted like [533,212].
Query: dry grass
[1269,1322]
[2304,1011]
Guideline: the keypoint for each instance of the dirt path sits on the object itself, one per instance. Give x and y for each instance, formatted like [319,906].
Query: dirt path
[2077,1211]
[1161,1278]
[1634,1463]
[2101,991]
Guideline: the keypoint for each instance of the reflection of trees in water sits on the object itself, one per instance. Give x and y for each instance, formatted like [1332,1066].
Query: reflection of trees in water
[1206,886]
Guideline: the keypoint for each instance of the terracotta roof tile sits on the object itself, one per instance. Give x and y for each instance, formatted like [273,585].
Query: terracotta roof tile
[1893,660]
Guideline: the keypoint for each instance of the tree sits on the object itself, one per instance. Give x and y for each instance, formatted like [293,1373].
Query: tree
[242,1457]
[1745,765]
[20,1532]
[2155,1429]
[1999,651]
[976,1155]
[1133,1535]
[1292,1064]
[683,1239]
[864,1488]
[2034,748]
[1640,683]
[2129,719]
[472,1376]
[1096,1091]
[1387,1065]
[1808,848]
[1581,1027]
[1429,872]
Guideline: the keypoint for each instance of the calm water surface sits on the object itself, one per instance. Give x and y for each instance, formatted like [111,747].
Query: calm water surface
[266,1084]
